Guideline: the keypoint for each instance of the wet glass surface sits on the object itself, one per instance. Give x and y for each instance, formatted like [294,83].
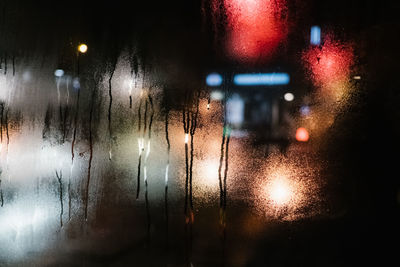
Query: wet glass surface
[198,133]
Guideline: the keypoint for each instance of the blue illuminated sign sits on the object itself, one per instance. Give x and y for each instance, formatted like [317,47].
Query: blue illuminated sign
[261,79]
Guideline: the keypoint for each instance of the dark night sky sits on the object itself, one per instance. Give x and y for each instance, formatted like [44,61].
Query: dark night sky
[115,24]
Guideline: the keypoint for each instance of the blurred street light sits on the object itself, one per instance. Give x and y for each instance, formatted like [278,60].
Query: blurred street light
[82,48]
[302,135]
[288,97]
[58,73]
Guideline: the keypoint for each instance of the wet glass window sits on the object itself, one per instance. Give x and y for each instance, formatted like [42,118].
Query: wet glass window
[199,133]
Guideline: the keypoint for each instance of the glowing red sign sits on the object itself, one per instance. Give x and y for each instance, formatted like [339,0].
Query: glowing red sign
[255,28]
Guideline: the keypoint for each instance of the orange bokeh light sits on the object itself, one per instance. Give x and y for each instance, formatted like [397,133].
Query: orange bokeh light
[302,135]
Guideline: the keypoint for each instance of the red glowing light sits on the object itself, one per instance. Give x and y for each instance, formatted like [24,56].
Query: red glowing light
[254,28]
[302,135]
[329,63]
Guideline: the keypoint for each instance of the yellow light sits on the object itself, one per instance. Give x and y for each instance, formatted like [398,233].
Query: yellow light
[280,192]
[82,48]
[209,173]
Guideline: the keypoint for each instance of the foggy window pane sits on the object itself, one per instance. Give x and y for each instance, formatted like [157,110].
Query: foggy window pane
[198,133]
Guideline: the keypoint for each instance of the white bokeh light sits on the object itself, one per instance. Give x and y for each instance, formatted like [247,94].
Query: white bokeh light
[288,97]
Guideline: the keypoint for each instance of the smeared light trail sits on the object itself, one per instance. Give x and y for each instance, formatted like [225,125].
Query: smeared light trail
[58,89]
[59,178]
[141,145]
[145,161]
[110,107]
[166,175]
[67,82]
